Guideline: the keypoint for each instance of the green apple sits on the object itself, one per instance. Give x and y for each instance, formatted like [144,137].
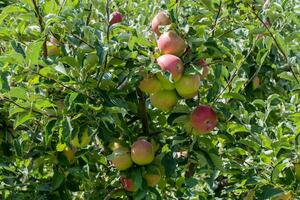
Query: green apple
[165,83]
[152,176]
[122,158]
[188,86]
[142,152]
[164,100]
[150,85]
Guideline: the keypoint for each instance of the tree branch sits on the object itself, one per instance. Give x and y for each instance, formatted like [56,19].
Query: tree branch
[143,111]
[217,17]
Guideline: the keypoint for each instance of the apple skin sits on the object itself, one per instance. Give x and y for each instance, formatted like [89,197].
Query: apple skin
[70,154]
[165,83]
[203,119]
[161,19]
[164,100]
[188,86]
[297,170]
[122,158]
[171,43]
[171,64]
[128,184]
[142,152]
[255,82]
[52,49]
[116,17]
[150,85]
[152,176]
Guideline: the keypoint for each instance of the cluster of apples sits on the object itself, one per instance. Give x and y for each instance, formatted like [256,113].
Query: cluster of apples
[164,93]
[141,153]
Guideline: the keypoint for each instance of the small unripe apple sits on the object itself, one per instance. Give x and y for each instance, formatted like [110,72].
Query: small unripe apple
[256,82]
[116,17]
[171,64]
[171,43]
[150,85]
[122,158]
[203,119]
[115,144]
[165,83]
[142,152]
[152,175]
[297,170]
[188,86]
[160,19]
[164,100]
[128,184]
[52,49]
[70,154]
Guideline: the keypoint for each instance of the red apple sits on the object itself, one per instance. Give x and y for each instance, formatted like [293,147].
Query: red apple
[128,184]
[165,83]
[142,152]
[150,85]
[203,119]
[116,17]
[164,100]
[152,175]
[188,86]
[171,43]
[160,19]
[122,158]
[171,64]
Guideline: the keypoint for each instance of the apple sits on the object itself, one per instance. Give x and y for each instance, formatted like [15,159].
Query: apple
[159,20]
[164,100]
[188,86]
[205,70]
[122,158]
[70,154]
[116,17]
[53,49]
[150,85]
[171,64]
[255,82]
[142,152]
[115,144]
[203,119]
[171,43]
[297,170]
[152,175]
[128,184]
[165,83]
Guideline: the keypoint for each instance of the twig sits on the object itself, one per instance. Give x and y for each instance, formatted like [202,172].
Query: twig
[89,16]
[41,23]
[79,38]
[217,17]
[108,196]
[275,40]
[61,6]
[143,111]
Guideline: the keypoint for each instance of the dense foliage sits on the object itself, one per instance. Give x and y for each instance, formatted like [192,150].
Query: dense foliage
[69,88]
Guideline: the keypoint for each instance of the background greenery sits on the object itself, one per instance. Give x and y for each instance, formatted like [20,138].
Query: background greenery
[45,101]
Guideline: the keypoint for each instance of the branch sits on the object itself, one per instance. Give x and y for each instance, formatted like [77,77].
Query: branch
[143,111]
[41,23]
[89,16]
[216,20]
[276,42]
[108,196]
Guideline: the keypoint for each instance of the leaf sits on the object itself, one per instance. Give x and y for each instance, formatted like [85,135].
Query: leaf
[33,52]
[22,118]
[232,95]
[169,164]
[18,92]
[57,180]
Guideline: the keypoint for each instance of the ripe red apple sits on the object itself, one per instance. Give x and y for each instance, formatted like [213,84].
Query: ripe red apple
[171,64]
[297,170]
[152,175]
[255,82]
[121,158]
[188,86]
[171,43]
[128,184]
[203,119]
[159,20]
[116,17]
[150,85]
[164,100]
[165,83]
[205,70]
[142,152]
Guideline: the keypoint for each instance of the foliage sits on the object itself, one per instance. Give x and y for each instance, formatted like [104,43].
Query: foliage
[47,101]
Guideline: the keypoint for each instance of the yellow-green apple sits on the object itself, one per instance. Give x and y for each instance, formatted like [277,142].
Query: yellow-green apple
[256,82]
[150,85]
[52,49]
[116,17]
[164,100]
[115,144]
[171,64]
[121,158]
[203,119]
[69,152]
[188,86]
[142,152]
[297,170]
[152,176]
[171,43]
[165,83]
[160,19]
[128,184]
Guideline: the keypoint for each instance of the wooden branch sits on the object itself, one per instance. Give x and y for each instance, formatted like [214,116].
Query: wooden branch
[143,111]
[217,17]
[89,16]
